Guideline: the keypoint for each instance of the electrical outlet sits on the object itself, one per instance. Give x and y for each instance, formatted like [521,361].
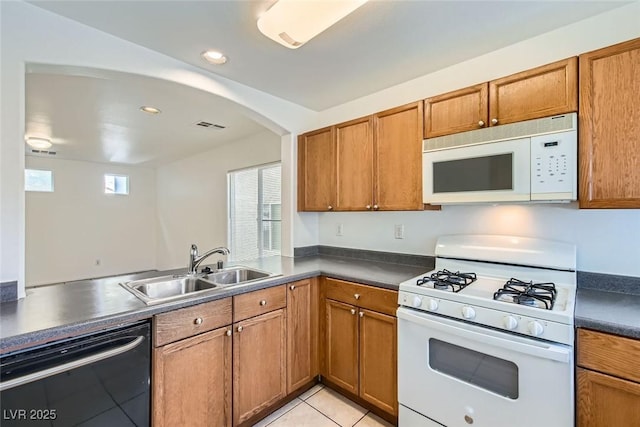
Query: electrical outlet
[339,230]
[398,231]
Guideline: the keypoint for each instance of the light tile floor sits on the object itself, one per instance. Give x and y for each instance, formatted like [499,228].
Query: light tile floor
[322,407]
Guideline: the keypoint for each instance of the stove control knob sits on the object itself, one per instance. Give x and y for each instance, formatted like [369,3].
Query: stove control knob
[433,305]
[510,322]
[468,312]
[417,301]
[535,328]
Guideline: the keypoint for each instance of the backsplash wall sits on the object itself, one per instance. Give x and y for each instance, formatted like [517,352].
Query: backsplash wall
[606,240]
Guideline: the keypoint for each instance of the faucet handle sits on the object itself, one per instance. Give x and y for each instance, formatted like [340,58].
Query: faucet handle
[194,249]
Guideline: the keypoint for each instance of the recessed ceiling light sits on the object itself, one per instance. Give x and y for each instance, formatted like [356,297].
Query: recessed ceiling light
[39,143]
[214,57]
[150,110]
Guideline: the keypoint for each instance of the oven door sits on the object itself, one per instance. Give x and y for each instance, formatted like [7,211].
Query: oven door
[482,173]
[459,374]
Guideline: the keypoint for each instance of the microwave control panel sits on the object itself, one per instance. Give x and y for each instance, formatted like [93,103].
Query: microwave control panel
[553,166]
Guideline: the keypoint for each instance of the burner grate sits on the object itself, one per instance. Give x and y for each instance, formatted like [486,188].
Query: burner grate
[527,293]
[448,281]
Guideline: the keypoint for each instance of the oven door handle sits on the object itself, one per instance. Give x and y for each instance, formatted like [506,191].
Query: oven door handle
[45,373]
[485,336]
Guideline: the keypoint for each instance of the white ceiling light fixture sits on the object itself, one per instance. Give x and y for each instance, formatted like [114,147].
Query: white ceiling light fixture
[150,110]
[292,23]
[39,143]
[214,57]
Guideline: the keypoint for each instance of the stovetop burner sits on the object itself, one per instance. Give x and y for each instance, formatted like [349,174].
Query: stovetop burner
[445,280]
[541,295]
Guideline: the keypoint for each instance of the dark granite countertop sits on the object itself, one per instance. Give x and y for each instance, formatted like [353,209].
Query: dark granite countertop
[55,312]
[608,303]
[604,303]
[606,311]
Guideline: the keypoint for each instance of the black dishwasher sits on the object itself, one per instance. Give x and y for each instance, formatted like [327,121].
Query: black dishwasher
[100,379]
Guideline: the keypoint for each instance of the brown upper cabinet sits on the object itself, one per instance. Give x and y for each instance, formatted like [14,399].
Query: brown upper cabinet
[609,121]
[540,92]
[316,170]
[371,163]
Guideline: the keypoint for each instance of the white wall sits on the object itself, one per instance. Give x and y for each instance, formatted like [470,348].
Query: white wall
[77,224]
[192,196]
[32,35]
[602,30]
[607,240]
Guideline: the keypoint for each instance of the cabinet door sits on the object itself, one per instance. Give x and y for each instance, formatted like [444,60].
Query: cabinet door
[540,92]
[378,360]
[354,166]
[341,344]
[302,333]
[259,376]
[192,381]
[459,111]
[605,401]
[609,121]
[398,158]
[316,170]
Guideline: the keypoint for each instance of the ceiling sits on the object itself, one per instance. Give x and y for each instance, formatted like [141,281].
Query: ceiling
[93,115]
[383,43]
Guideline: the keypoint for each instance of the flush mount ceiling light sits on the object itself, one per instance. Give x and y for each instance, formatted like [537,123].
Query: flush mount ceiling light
[292,23]
[214,57]
[150,110]
[39,143]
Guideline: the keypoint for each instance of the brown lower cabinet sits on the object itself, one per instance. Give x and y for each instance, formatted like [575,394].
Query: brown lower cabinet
[224,362]
[259,355]
[192,374]
[302,333]
[608,380]
[360,342]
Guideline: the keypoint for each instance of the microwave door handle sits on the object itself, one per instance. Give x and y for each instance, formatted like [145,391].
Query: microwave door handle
[45,373]
[487,337]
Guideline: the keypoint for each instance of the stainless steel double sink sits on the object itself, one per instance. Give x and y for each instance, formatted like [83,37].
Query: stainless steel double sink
[164,288]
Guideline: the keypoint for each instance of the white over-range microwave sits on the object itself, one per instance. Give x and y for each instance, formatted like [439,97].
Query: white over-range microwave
[530,161]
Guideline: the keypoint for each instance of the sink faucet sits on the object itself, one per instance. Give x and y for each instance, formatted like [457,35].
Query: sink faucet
[195,259]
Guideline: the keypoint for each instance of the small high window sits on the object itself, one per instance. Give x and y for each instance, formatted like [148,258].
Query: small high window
[38,180]
[116,184]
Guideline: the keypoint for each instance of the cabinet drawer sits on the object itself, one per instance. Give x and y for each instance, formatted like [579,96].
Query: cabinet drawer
[381,300]
[610,354]
[258,302]
[185,322]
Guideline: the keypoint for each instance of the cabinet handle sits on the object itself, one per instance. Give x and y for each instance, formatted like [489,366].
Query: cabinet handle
[197,321]
[240,328]
[375,207]
[481,123]
[361,314]
[330,207]
[353,311]
[292,287]
[229,333]
[368,207]
[494,121]
[263,302]
[356,296]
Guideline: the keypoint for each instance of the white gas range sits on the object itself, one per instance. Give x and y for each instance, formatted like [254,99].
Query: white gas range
[488,335]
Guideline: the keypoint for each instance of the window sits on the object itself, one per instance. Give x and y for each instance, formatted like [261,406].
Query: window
[116,184]
[255,212]
[38,180]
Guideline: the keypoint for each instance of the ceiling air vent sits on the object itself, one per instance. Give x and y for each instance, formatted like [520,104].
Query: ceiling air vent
[208,125]
[52,153]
